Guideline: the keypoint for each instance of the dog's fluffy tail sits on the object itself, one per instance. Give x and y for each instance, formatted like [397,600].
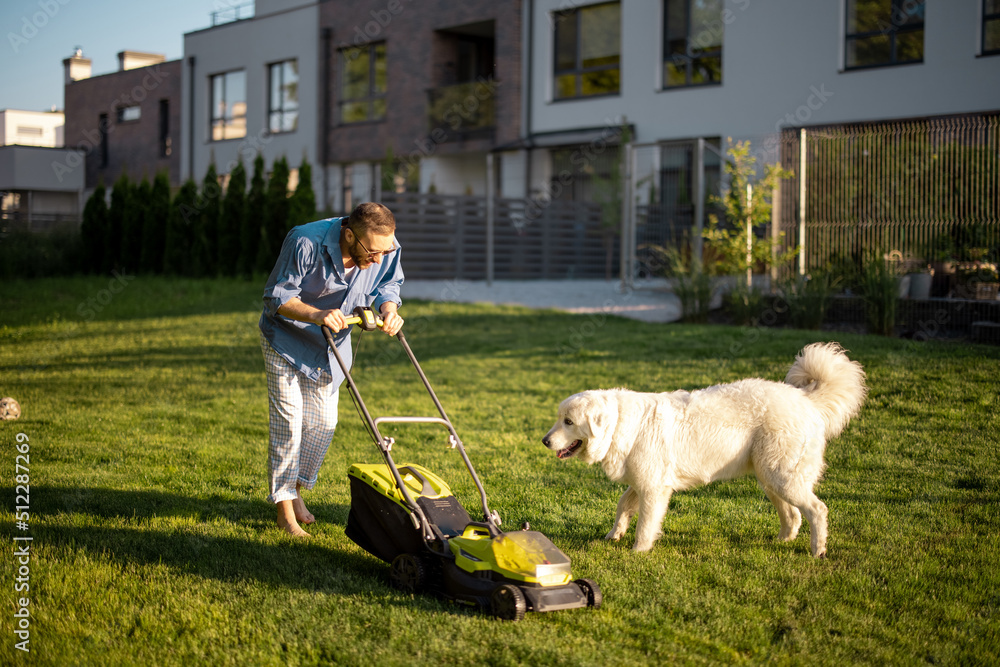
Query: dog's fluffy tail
[834,383]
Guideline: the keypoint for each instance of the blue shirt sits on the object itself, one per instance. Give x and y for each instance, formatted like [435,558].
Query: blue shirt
[311,268]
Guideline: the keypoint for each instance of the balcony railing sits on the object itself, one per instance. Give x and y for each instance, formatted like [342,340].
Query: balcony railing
[465,110]
[233,13]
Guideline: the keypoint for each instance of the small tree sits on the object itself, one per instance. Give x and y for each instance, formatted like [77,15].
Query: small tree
[231,221]
[729,242]
[117,212]
[737,247]
[180,226]
[252,230]
[135,224]
[276,221]
[303,202]
[206,231]
[94,229]
[154,231]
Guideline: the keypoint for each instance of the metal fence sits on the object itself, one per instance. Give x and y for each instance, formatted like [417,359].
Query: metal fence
[446,236]
[918,190]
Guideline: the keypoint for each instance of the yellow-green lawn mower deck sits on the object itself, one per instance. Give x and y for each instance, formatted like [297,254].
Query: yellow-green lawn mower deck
[507,573]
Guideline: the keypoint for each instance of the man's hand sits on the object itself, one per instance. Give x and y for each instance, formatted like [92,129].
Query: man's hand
[294,309]
[334,319]
[391,321]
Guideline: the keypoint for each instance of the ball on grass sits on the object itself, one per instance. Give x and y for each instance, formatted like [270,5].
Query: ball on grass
[9,409]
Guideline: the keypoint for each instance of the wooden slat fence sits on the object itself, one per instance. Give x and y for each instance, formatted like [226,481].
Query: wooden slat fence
[444,236]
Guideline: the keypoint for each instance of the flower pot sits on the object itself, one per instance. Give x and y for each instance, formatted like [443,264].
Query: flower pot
[920,285]
[944,274]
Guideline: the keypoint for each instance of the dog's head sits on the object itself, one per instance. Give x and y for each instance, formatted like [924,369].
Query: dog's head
[585,425]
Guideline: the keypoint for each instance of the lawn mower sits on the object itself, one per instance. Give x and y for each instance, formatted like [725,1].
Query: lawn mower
[408,517]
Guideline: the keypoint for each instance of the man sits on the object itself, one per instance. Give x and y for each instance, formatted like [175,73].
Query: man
[324,271]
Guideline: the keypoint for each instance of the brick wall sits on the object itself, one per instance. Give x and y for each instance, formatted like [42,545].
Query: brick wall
[133,146]
[416,62]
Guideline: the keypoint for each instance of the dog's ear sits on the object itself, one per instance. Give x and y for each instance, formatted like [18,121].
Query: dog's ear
[602,416]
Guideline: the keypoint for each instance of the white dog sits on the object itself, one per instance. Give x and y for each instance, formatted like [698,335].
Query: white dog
[661,443]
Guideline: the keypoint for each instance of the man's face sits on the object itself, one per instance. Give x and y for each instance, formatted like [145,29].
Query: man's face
[369,249]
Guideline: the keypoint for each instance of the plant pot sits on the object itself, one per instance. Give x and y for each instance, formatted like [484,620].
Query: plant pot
[920,285]
[944,273]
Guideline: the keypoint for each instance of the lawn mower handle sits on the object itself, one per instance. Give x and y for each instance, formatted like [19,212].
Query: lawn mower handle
[367,320]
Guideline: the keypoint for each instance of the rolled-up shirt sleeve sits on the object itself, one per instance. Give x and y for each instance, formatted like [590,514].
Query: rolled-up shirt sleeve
[298,255]
[390,282]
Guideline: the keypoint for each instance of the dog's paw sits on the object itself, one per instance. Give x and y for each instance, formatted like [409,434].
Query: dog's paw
[613,536]
[641,548]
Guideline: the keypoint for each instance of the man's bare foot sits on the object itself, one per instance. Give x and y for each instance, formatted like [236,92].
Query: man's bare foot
[302,515]
[287,521]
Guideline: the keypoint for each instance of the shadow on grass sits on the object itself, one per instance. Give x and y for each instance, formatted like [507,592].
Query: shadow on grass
[271,559]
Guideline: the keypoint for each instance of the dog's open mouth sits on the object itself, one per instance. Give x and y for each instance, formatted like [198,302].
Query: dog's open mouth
[571,450]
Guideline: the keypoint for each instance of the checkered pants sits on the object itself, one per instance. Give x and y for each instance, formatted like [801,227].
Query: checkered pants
[303,417]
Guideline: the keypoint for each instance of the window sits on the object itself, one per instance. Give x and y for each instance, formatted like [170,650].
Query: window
[283,101]
[363,86]
[229,105]
[33,131]
[991,27]
[884,32]
[102,124]
[692,42]
[587,51]
[126,114]
[165,143]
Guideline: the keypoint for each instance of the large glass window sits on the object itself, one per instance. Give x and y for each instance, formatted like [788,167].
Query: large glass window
[692,42]
[991,27]
[884,32]
[229,105]
[283,99]
[587,51]
[363,85]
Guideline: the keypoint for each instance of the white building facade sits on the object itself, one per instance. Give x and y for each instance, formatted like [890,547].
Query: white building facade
[250,86]
[745,69]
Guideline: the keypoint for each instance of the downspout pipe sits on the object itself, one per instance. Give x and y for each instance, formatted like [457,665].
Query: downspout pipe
[191,122]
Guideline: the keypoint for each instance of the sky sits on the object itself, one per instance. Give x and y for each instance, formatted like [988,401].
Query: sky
[38,34]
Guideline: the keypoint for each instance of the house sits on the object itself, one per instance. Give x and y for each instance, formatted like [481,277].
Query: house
[124,122]
[33,194]
[424,90]
[251,86]
[31,128]
[683,76]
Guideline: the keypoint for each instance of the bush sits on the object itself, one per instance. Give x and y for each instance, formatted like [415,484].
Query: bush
[745,304]
[25,254]
[93,230]
[808,298]
[880,290]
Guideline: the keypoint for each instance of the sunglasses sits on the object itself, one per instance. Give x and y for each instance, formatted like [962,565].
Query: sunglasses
[372,256]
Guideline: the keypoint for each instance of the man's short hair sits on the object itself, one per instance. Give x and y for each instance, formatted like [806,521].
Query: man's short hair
[372,218]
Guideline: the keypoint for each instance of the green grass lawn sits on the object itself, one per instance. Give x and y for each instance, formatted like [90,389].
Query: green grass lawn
[145,407]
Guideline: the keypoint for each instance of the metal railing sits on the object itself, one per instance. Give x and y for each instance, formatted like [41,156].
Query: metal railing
[233,13]
[463,111]
[920,191]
